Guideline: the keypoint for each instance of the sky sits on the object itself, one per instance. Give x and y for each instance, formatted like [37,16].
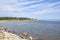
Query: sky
[39,9]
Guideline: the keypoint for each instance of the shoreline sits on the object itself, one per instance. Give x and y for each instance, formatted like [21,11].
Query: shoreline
[17,20]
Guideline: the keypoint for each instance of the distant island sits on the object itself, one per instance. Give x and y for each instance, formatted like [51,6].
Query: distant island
[16,19]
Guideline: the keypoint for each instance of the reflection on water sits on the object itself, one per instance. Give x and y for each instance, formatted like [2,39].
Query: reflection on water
[41,30]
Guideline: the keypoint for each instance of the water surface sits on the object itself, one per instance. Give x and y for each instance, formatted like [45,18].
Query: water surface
[41,29]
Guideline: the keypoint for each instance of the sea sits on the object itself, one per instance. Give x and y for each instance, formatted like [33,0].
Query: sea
[42,30]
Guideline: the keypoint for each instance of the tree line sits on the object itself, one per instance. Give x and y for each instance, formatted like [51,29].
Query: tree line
[14,18]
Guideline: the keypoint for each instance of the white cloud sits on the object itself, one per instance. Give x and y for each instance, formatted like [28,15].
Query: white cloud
[45,8]
[43,5]
[29,0]
[6,8]
[5,5]
[4,1]
[40,8]
[47,11]
[21,4]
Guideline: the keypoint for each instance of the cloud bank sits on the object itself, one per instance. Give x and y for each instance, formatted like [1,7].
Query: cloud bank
[28,7]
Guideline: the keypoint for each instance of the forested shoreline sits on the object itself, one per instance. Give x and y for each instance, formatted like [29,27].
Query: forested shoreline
[15,18]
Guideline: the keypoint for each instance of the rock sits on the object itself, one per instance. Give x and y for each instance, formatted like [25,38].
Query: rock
[4,35]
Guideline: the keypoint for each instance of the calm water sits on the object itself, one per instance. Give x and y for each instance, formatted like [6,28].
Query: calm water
[40,29]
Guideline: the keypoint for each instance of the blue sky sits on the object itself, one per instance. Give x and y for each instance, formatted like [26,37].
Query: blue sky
[40,9]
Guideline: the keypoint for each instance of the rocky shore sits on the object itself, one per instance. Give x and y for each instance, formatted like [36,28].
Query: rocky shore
[4,35]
